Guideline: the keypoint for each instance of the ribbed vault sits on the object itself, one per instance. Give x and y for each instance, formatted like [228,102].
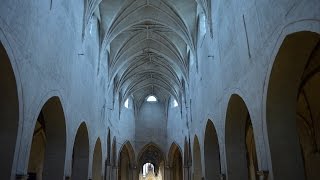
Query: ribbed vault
[148,44]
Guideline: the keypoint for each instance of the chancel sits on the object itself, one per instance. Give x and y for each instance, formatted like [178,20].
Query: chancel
[160,90]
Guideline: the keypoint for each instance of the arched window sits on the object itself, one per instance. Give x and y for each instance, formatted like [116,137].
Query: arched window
[126,103]
[152,98]
[147,168]
[174,103]
[202,26]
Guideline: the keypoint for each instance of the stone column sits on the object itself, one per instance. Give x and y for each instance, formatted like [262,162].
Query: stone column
[133,173]
[114,174]
[187,172]
[167,173]
[108,169]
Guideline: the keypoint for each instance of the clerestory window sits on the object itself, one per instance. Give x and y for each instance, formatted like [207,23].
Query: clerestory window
[126,103]
[152,98]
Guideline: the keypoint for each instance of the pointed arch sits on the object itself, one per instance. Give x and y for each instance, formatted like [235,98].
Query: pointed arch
[126,161]
[48,149]
[197,164]
[241,159]
[131,151]
[212,152]
[286,114]
[97,161]
[80,157]
[175,161]
[153,154]
[9,113]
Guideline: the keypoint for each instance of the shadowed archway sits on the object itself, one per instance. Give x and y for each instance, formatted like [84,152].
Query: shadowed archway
[9,113]
[151,153]
[126,162]
[97,161]
[47,155]
[241,154]
[211,152]
[197,165]
[80,157]
[175,162]
[292,108]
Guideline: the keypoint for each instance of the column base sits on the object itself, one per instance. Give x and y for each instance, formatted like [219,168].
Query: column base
[263,175]
[21,177]
[222,176]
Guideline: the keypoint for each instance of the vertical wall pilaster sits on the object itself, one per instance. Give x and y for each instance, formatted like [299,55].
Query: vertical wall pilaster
[168,173]
[108,169]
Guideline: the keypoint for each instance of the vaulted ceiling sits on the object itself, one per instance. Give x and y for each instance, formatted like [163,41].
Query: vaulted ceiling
[149,44]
